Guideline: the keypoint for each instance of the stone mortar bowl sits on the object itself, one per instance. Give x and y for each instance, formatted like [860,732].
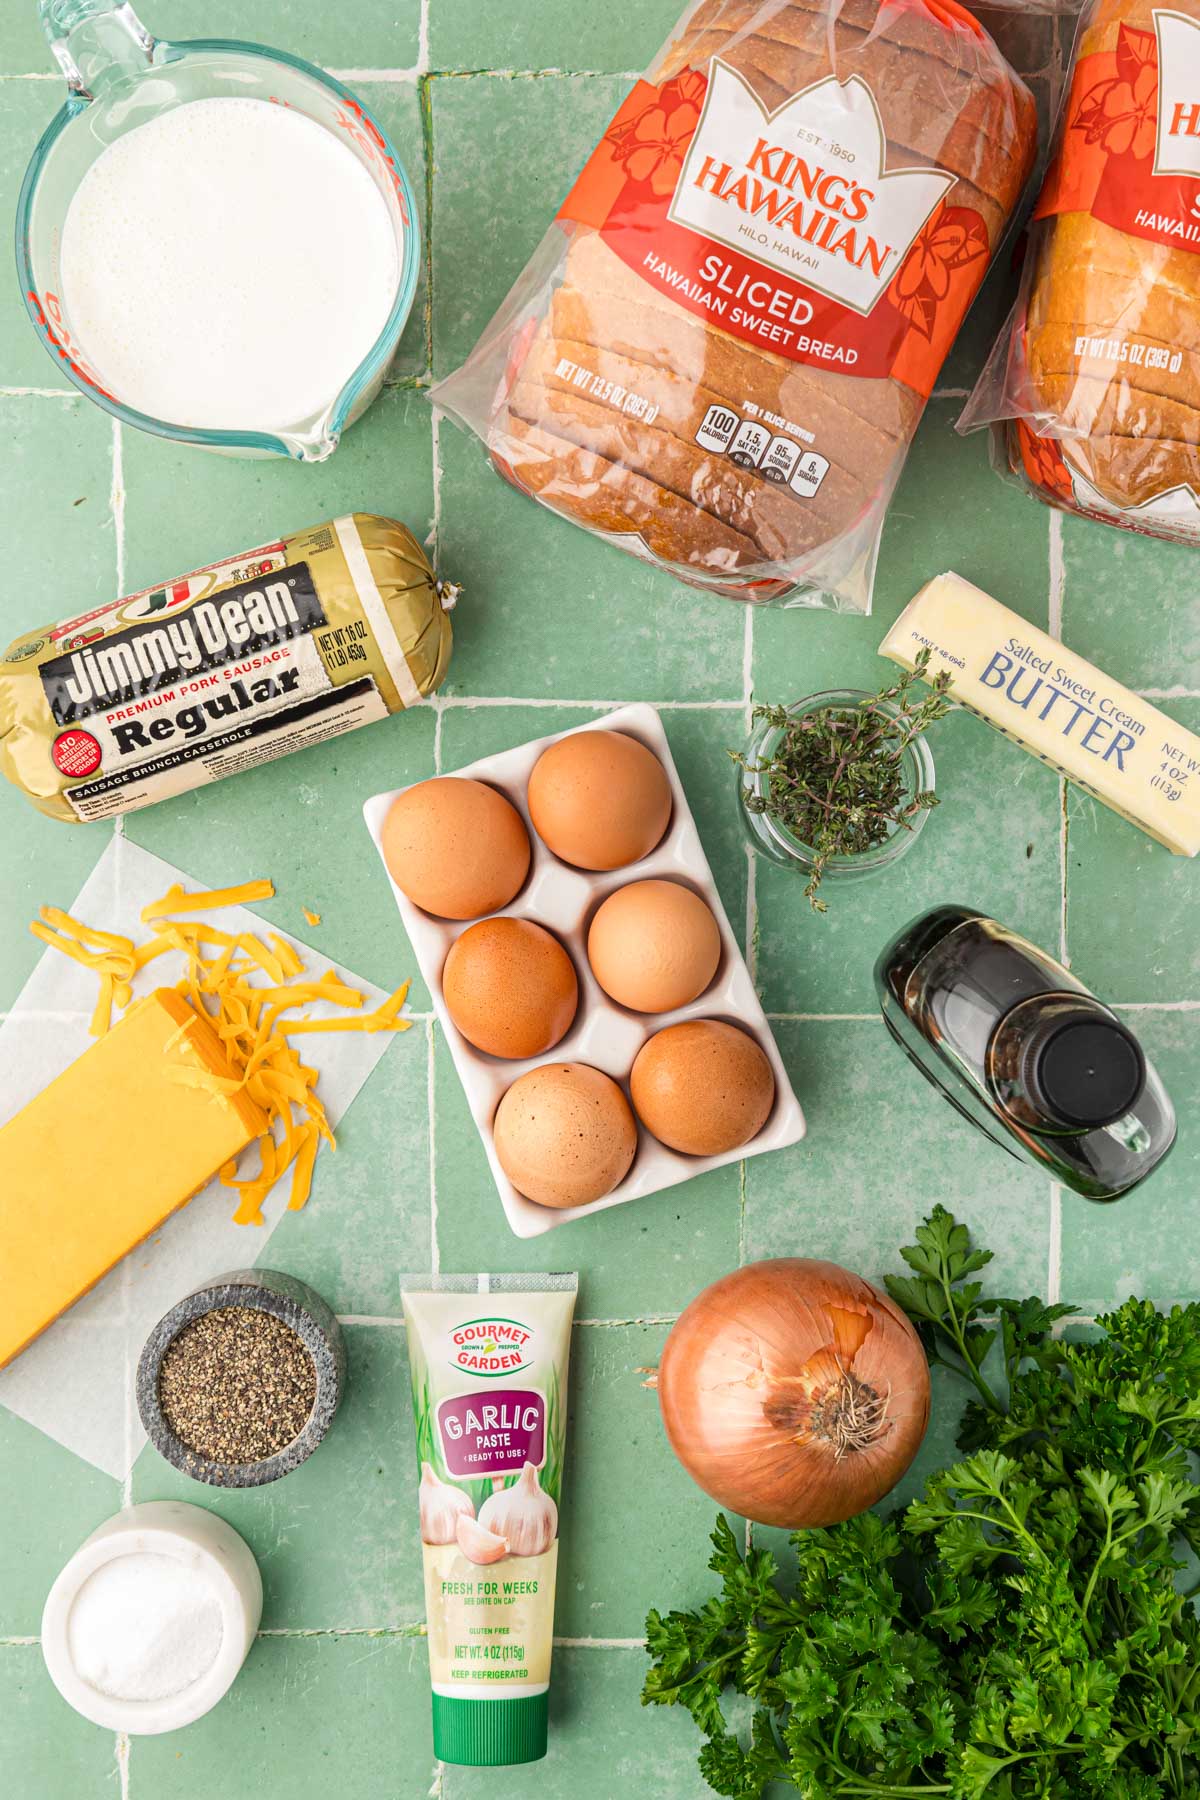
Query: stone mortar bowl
[261,1290]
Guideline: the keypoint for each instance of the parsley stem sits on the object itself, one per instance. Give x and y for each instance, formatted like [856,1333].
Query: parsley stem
[704,1669]
[857,1784]
[954,1330]
[1090,1589]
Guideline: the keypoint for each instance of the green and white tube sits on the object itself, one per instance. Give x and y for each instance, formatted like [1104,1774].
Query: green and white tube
[488,1356]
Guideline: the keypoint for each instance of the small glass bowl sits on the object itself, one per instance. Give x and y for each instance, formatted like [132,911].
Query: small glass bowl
[779,845]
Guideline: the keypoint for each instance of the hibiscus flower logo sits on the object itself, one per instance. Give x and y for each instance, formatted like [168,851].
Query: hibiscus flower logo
[652,146]
[1120,112]
[1043,462]
[950,239]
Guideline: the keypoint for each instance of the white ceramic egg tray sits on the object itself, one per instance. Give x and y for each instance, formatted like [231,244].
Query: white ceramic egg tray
[608,1036]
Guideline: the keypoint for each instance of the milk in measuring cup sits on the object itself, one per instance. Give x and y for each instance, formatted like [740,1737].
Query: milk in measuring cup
[228,264]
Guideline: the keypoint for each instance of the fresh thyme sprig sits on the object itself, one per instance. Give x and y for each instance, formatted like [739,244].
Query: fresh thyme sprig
[836,780]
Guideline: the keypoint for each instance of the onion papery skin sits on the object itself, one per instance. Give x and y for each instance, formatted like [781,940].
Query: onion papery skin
[752,1378]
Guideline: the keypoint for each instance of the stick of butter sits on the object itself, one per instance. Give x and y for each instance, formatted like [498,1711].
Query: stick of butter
[1109,741]
[109,1150]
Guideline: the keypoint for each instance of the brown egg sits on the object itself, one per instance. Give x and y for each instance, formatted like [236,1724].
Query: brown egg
[456,847]
[702,1087]
[510,988]
[654,945]
[565,1135]
[599,799]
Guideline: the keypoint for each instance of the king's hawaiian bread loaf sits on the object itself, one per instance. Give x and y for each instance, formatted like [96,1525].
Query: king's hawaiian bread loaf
[1109,333]
[721,353]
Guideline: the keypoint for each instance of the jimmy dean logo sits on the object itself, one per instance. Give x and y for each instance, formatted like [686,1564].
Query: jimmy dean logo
[143,659]
[491,1346]
[1177,146]
[803,189]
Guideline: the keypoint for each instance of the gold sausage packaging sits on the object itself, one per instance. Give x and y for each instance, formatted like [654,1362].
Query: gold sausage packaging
[223,669]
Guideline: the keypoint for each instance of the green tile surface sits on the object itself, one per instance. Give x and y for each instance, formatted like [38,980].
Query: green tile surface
[50,1749]
[308,1716]
[26,108]
[494,109]
[337,1541]
[542,34]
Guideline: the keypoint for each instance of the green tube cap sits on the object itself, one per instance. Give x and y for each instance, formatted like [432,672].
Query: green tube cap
[486,1734]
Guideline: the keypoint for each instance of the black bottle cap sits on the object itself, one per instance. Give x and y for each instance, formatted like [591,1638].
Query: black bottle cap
[1084,1068]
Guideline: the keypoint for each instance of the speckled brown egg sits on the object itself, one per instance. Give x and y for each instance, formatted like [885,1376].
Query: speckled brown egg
[702,1087]
[510,987]
[599,799]
[456,847]
[654,945]
[565,1135]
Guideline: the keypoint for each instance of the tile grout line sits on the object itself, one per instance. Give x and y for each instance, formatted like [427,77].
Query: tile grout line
[483,700]
[414,1629]
[123,1748]
[751,913]
[431,1082]
[800,1018]
[117,497]
[425,102]
[386,1322]
[415,73]
[1054,1259]
[786,1018]
[39,393]
[1057,579]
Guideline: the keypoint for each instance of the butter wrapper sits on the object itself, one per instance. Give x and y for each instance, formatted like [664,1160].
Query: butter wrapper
[1106,739]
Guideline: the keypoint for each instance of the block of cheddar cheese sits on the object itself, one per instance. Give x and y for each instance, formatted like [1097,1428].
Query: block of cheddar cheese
[108,1151]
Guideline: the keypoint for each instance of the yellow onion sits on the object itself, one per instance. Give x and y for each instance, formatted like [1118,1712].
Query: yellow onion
[794,1392]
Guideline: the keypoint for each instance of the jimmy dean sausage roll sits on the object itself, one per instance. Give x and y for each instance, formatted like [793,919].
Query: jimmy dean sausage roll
[223,669]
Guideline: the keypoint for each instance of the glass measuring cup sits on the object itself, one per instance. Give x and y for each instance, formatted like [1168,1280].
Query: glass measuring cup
[118,77]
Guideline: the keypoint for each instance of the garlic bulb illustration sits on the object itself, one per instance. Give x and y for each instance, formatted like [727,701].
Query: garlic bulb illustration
[523,1515]
[477,1542]
[441,1506]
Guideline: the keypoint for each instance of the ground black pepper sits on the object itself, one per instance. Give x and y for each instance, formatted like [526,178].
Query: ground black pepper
[237,1385]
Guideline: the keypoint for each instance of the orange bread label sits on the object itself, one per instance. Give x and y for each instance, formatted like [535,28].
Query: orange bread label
[1130,148]
[786,228]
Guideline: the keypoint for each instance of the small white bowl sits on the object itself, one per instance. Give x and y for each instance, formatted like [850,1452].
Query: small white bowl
[199,1540]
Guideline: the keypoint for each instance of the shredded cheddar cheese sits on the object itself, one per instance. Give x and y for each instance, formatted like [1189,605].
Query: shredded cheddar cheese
[242,987]
[176,900]
[314,918]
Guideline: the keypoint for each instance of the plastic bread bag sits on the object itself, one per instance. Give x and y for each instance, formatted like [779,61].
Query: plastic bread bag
[1093,388]
[719,353]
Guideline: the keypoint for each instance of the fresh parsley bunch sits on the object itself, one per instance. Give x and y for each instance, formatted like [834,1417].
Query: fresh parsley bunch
[1020,1632]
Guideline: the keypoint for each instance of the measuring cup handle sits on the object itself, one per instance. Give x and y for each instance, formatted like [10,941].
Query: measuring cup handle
[95,42]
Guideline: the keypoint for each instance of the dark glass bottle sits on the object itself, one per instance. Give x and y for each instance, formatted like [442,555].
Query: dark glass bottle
[1021,1047]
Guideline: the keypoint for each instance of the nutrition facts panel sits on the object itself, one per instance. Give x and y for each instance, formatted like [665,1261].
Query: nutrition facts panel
[752,445]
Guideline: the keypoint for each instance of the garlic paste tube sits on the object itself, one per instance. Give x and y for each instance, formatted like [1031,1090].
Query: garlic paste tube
[488,1356]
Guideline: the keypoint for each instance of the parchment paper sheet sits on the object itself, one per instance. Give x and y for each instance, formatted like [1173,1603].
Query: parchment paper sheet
[75,1382]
